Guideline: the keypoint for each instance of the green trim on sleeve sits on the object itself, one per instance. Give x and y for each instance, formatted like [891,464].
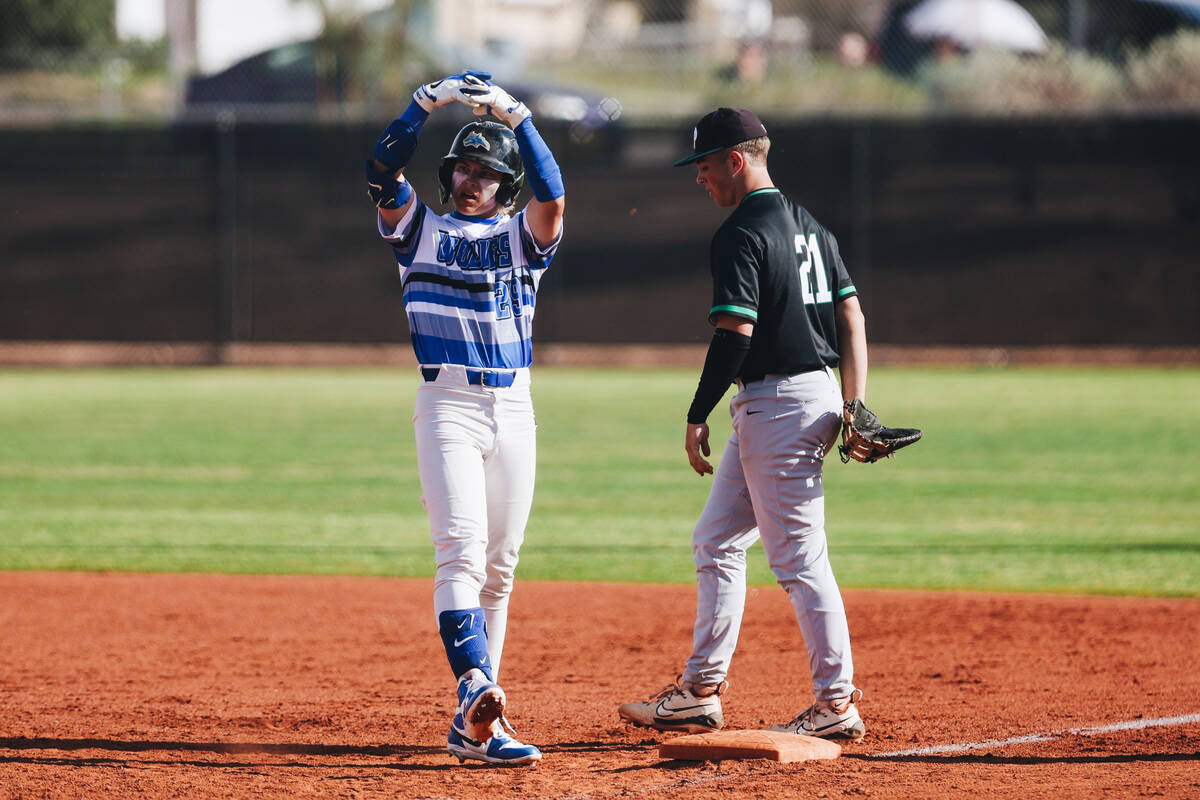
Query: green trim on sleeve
[846,291]
[748,313]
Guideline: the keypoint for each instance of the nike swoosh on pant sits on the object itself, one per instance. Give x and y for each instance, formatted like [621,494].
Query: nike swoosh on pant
[461,642]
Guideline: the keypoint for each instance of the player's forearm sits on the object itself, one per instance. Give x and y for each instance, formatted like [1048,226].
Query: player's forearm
[852,346]
[542,172]
[398,141]
[854,375]
[726,354]
[386,185]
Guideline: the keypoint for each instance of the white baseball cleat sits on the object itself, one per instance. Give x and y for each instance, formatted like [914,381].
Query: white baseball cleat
[678,708]
[480,703]
[828,719]
[498,748]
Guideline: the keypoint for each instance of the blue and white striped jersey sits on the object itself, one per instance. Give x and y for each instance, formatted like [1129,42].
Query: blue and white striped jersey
[469,286]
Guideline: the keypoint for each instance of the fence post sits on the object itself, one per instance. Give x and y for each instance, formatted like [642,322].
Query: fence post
[227,218]
[860,198]
[1077,24]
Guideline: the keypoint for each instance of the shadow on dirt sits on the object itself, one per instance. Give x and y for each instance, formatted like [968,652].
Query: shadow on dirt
[230,748]
[220,748]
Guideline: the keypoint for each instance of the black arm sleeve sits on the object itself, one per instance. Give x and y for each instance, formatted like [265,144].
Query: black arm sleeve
[726,353]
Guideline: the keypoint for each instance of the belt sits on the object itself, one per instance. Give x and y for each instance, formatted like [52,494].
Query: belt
[476,377]
[742,384]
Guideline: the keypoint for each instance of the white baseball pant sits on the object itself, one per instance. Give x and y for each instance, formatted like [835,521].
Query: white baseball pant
[476,454]
[769,485]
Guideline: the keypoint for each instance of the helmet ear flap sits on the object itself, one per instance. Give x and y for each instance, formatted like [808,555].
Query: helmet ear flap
[515,186]
[445,179]
[507,192]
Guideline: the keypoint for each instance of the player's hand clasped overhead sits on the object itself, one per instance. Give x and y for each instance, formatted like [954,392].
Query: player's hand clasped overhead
[449,90]
[864,437]
[488,98]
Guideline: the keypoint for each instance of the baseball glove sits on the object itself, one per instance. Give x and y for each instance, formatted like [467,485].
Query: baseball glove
[865,439]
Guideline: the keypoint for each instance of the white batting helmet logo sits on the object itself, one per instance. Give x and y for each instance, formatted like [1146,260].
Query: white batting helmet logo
[476,139]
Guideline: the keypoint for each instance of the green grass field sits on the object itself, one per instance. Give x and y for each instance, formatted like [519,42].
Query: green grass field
[1027,480]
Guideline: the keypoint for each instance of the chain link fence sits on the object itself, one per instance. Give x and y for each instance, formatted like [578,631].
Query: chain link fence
[597,60]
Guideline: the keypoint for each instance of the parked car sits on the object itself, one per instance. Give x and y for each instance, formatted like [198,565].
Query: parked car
[1123,26]
[285,79]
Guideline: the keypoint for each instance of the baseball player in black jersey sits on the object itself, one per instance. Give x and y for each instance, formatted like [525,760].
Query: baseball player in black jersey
[785,314]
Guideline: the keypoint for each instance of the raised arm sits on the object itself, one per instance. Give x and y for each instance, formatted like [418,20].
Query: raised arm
[545,211]
[386,184]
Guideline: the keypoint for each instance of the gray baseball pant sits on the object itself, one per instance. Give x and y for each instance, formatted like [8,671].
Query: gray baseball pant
[768,485]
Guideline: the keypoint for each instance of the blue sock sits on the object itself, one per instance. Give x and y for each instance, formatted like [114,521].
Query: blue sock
[464,634]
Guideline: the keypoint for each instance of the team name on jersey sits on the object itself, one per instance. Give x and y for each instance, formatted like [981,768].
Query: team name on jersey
[492,253]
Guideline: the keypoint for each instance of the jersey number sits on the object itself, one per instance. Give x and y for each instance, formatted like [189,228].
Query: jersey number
[508,298]
[811,255]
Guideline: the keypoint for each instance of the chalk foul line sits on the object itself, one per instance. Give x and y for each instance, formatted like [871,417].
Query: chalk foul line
[1128,725]
[718,778]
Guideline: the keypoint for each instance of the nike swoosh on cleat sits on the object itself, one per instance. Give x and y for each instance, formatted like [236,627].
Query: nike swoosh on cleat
[461,642]
[832,725]
[661,711]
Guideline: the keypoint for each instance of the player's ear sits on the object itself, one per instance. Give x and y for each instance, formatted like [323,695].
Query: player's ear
[736,161]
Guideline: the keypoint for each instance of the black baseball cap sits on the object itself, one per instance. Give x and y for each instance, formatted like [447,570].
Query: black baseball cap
[723,128]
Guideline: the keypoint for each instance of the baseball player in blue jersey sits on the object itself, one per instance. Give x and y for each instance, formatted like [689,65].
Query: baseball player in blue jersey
[470,280]
[785,314]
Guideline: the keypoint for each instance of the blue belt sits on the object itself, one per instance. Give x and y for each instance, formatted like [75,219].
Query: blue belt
[475,377]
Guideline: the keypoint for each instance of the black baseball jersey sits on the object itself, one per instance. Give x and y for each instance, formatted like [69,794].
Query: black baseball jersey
[776,266]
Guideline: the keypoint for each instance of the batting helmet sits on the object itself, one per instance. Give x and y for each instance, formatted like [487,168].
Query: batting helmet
[494,146]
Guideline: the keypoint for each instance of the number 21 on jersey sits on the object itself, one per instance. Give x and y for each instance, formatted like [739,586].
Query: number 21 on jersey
[810,261]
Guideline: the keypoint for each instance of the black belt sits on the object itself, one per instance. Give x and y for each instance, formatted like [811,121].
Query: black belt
[755,378]
[475,377]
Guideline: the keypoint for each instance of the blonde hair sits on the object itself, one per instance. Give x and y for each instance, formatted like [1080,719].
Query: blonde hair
[754,150]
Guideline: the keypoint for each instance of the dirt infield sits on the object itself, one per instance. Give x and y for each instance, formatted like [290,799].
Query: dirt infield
[195,686]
